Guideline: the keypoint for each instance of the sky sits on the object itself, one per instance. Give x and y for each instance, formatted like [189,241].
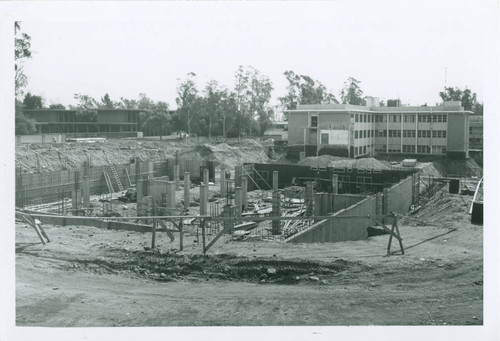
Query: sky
[396,49]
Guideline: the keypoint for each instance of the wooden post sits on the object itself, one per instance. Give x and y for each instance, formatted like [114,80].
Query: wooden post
[203,233]
[400,240]
[181,234]
[153,234]
[390,239]
[187,190]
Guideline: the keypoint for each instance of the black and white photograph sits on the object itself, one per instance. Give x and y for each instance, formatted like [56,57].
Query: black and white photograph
[299,170]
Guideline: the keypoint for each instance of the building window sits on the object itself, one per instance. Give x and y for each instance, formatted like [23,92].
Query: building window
[356,118]
[364,133]
[314,121]
[444,119]
[394,118]
[443,149]
[435,118]
[440,118]
[356,134]
[444,133]
[434,133]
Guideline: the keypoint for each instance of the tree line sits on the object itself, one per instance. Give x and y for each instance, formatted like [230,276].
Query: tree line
[245,109]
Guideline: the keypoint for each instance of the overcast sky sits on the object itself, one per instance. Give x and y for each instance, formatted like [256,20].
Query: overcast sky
[396,49]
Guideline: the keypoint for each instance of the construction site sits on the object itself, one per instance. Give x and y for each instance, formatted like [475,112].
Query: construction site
[139,232]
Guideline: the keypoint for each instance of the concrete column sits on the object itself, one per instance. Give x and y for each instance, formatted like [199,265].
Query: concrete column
[86,191]
[237,201]
[187,190]
[203,199]
[318,207]
[223,182]
[205,176]
[275,180]
[170,197]
[76,195]
[150,170]
[335,184]
[244,199]
[237,176]
[139,192]
[137,170]
[176,176]
[378,204]
[276,202]
[309,198]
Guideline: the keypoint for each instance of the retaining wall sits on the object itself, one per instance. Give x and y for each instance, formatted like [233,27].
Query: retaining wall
[340,229]
[400,196]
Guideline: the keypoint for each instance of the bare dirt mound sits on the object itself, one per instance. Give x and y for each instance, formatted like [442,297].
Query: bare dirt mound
[54,157]
[341,162]
[173,267]
[229,155]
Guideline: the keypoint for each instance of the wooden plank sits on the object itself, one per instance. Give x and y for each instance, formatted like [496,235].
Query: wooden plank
[399,235]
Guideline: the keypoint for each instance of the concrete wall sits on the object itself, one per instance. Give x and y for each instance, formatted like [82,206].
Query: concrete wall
[342,201]
[400,196]
[40,138]
[40,188]
[340,229]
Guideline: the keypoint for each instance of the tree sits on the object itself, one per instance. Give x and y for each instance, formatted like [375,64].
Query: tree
[22,52]
[158,120]
[86,109]
[303,89]
[187,97]
[352,93]
[57,106]
[106,102]
[466,97]
[32,101]
[253,94]
[24,125]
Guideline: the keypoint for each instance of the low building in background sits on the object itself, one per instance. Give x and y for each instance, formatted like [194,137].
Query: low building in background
[104,122]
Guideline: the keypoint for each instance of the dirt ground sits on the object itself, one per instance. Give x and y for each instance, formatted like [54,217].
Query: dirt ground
[90,277]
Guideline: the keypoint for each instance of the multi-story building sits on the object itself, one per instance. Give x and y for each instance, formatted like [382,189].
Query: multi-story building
[359,131]
[476,132]
[67,121]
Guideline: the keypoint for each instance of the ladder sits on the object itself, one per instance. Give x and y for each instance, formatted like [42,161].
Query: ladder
[108,182]
[114,172]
